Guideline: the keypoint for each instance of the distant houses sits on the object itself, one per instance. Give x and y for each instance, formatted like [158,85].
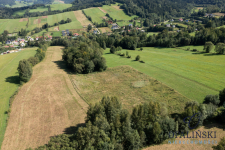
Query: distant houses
[115,26]
[95,31]
[75,34]
[167,25]
[209,15]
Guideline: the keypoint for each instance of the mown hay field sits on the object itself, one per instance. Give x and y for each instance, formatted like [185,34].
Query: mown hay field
[96,14]
[130,86]
[45,106]
[12,25]
[193,74]
[9,81]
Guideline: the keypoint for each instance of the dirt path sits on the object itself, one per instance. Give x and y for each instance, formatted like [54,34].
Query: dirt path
[46,106]
[102,10]
[82,18]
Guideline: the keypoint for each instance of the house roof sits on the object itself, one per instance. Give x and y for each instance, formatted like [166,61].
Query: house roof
[75,34]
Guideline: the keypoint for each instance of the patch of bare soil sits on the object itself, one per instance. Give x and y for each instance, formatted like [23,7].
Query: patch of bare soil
[219,14]
[203,146]
[82,18]
[56,28]
[199,7]
[23,19]
[102,10]
[44,17]
[45,106]
[39,20]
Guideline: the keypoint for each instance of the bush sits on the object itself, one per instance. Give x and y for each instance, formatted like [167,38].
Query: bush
[25,70]
[221,145]
[129,56]
[33,60]
[112,50]
[212,99]
[222,97]
[122,54]
[194,50]
[142,61]
[137,58]
[141,49]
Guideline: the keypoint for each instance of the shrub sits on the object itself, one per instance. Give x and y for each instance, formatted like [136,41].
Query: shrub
[194,50]
[221,145]
[188,48]
[222,97]
[122,54]
[112,50]
[212,99]
[141,49]
[33,60]
[137,58]
[142,61]
[129,56]
[25,70]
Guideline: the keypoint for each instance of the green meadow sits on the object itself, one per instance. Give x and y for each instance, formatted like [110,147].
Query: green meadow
[9,81]
[60,6]
[39,9]
[117,14]
[193,74]
[12,25]
[95,13]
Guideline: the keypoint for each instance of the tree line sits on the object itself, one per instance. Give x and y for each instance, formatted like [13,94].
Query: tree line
[109,126]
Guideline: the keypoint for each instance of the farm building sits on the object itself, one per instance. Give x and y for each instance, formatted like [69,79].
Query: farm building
[180,19]
[115,26]
[130,25]
[95,31]
[167,25]
[172,20]
[75,34]
[173,26]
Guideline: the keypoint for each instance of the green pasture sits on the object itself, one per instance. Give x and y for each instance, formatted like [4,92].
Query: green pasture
[18,4]
[192,74]
[20,13]
[117,14]
[12,25]
[152,33]
[60,6]
[62,16]
[95,13]
[72,25]
[39,9]
[9,81]
[57,33]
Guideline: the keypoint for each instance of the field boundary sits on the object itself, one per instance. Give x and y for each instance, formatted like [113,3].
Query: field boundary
[76,88]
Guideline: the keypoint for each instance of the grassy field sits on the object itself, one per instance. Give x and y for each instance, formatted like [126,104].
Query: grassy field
[18,4]
[130,86]
[9,82]
[192,74]
[116,13]
[12,25]
[60,6]
[95,13]
[46,106]
[39,9]
[152,33]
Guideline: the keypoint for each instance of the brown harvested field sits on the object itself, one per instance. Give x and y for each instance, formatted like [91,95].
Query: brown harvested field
[219,14]
[105,29]
[23,19]
[130,86]
[214,127]
[117,7]
[199,7]
[82,18]
[39,20]
[44,17]
[102,10]
[45,106]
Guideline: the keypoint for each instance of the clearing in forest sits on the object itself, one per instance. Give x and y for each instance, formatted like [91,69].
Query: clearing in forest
[9,82]
[130,86]
[193,74]
[46,106]
[81,18]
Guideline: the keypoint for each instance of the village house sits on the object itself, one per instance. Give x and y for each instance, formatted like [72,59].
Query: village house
[180,19]
[172,20]
[173,26]
[8,42]
[130,25]
[75,34]
[115,26]
[95,31]
[167,25]
[187,20]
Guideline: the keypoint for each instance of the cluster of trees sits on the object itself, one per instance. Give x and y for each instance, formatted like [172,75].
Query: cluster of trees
[108,126]
[25,66]
[219,48]
[22,32]
[85,57]
[104,24]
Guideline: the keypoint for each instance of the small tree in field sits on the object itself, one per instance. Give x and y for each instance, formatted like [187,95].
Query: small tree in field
[208,47]
[220,48]
[25,70]
[141,49]
[112,50]
[137,58]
